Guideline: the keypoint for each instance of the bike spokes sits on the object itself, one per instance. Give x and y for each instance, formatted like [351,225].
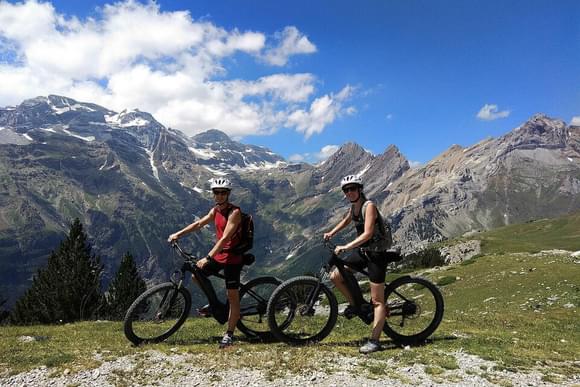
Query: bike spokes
[254,297]
[415,308]
[302,311]
[158,313]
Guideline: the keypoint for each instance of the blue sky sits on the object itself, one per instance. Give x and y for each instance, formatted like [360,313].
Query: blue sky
[421,75]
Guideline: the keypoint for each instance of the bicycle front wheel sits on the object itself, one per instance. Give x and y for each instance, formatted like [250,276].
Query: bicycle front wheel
[415,310]
[157,314]
[254,297]
[302,310]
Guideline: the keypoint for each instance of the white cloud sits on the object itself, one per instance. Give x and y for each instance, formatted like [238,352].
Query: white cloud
[296,158]
[415,164]
[323,111]
[133,55]
[292,42]
[327,151]
[316,157]
[575,121]
[491,112]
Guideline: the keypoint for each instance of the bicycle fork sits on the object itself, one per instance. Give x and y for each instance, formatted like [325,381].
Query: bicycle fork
[164,306]
[311,300]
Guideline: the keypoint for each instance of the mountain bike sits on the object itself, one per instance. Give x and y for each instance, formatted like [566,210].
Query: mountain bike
[304,310]
[161,310]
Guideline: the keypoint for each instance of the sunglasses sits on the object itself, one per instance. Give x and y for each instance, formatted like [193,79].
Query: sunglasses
[220,192]
[351,188]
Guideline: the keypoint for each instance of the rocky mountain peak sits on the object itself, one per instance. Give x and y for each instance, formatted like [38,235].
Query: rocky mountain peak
[385,169]
[32,102]
[59,101]
[540,124]
[391,152]
[133,117]
[349,159]
[539,131]
[211,136]
[348,153]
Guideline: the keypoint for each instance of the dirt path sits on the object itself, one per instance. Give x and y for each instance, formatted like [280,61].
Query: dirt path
[156,368]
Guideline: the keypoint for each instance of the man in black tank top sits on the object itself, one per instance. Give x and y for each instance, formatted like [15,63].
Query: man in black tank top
[367,226]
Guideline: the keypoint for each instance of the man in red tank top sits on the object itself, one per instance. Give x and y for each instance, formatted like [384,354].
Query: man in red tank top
[227,219]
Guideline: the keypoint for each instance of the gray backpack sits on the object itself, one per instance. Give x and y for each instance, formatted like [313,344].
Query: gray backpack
[382,238]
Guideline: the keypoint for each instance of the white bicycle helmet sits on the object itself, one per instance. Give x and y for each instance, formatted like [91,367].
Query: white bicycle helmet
[351,179]
[221,182]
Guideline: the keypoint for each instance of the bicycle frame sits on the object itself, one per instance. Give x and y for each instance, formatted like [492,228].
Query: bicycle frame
[219,309]
[365,310]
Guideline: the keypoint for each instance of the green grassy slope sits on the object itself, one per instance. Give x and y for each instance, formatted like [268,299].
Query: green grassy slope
[543,234]
[519,310]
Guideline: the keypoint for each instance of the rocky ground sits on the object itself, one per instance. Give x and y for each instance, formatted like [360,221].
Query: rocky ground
[159,369]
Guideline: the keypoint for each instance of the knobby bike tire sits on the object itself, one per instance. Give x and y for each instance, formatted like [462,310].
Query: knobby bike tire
[254,297]
[424,309]
[157,314]
[288,315]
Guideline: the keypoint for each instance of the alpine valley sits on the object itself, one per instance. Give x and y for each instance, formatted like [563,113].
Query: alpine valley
[132,182]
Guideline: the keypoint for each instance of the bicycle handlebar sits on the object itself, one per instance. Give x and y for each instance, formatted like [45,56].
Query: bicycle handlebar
[185,255]
[329,245]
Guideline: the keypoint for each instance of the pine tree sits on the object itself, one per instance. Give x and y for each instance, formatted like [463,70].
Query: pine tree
[124,288]
[3,312]
[68,288]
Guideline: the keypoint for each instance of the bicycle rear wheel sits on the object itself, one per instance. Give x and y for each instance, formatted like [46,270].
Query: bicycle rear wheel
[254,297]
[302,310]
[415,310]
[157,314]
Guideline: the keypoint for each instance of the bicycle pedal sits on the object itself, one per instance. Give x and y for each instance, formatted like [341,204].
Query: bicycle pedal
[205,311]
[348,313]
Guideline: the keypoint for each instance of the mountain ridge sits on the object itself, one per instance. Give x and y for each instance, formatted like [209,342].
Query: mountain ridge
[133,181]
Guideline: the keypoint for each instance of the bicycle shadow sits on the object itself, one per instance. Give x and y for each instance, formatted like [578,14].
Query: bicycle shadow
[268,339]
[388,344]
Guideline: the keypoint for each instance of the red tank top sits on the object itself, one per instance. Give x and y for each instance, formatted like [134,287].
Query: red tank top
[221,220]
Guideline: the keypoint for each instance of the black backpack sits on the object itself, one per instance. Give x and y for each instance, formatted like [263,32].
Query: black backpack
[246,234]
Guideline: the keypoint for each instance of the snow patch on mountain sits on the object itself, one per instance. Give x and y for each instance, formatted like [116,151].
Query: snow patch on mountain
[87,139]
[215,171]
[258,166]
[152,162]
[135,122]
[60,105]
[112,119]
[203,153]
[66,109]
[364,170]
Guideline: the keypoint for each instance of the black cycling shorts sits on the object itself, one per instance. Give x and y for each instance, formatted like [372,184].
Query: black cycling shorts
[375,262]
[231,272]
